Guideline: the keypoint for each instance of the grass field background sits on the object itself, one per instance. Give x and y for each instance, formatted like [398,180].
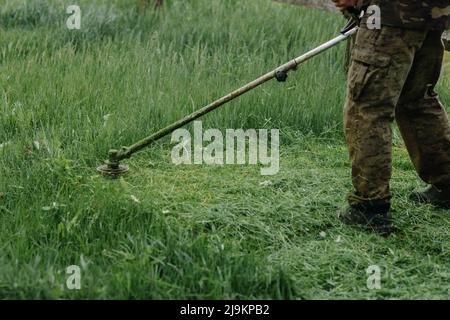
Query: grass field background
[67,97]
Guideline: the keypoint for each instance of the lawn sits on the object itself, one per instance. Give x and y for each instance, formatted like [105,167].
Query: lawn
[166,231]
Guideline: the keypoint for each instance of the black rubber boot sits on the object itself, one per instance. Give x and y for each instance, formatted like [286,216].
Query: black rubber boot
[376,218]
[432,195]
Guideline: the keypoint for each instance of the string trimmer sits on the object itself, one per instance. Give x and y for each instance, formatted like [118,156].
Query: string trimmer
[114,168]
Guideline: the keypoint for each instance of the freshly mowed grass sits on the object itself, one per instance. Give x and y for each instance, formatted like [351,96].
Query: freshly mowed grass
[162,231]
[217,232]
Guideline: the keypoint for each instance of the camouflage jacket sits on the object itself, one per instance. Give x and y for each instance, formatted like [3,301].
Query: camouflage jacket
[413,14]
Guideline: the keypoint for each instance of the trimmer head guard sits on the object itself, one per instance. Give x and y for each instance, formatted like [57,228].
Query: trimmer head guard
[112,167]
[112,171]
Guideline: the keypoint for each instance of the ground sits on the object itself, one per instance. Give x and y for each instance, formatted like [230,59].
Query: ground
[166,231]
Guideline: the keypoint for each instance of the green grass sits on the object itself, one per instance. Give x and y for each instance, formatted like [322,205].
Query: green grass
[194,231]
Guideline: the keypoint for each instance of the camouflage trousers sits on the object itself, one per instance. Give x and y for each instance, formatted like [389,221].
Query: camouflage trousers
[392,76]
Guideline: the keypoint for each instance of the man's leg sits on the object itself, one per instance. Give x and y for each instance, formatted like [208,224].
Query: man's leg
[382,60]
[422,119]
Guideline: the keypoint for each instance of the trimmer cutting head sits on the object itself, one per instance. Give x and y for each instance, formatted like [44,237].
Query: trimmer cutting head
[112,171]
[112,168]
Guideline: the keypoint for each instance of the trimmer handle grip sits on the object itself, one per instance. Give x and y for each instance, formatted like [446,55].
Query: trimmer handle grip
[354,14]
